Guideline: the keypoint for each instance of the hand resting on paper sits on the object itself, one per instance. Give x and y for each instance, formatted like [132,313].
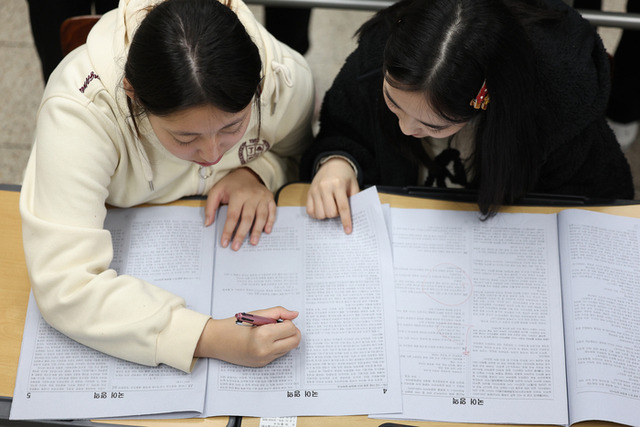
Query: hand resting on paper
[252,207]
[328,195]
[253,346]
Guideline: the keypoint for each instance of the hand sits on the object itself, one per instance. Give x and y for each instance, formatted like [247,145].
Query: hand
[245,345]
[252,207]
[328,195]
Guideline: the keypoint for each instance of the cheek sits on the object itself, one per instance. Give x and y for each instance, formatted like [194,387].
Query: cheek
[180,151]
[227,141]
[447,133]
[454,130]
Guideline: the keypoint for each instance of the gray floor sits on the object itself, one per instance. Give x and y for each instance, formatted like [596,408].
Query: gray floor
[21,84]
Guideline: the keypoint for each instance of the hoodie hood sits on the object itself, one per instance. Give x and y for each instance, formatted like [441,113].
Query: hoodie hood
[109,40]
[107,46]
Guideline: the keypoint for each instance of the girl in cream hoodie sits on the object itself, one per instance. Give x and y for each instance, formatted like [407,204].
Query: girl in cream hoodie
[167,99]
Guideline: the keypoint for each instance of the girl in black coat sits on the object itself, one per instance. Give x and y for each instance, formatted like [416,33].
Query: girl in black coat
[502,96]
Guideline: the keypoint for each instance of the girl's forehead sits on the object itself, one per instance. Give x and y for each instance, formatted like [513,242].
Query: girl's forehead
[414,103]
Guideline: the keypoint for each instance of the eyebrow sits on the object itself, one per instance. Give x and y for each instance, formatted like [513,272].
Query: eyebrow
[386,92]
[235,122]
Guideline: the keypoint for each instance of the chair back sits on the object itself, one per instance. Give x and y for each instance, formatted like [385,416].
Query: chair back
[74,31]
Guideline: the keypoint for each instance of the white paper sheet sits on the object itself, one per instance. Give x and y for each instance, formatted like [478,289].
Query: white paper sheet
[59,378]
[342,285]
[479,314]
[601,290]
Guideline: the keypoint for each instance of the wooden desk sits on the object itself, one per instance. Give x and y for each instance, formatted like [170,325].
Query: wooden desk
[296,195]
[14,290]
[14,294]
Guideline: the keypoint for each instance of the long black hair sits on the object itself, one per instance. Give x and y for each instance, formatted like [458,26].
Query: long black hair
[189,53]
[447,49]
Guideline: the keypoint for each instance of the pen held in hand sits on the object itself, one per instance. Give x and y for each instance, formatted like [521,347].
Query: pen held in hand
[254,319]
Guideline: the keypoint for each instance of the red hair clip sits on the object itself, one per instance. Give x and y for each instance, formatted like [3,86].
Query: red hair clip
[482,98]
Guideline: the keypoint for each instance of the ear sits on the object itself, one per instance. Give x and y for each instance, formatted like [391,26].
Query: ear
[128,89]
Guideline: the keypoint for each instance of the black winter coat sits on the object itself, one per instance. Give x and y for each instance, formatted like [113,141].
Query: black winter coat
[580,155]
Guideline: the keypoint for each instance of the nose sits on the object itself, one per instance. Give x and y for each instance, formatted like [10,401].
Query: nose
[409,126]
[210,150]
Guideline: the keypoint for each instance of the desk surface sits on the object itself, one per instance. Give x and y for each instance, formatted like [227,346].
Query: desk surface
[14,287]
[14,291]
[296,195]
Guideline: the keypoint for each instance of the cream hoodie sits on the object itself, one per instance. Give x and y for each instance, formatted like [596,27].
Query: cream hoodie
[86,154]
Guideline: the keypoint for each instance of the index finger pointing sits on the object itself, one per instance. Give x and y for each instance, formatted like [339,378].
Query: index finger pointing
[344,210]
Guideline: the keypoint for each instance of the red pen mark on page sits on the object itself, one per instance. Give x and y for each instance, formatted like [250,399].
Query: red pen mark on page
[449,285]
[452,332]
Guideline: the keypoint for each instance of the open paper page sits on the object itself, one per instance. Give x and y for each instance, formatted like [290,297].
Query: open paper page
[479,314]
[600,256]
[342,285]
[60,378]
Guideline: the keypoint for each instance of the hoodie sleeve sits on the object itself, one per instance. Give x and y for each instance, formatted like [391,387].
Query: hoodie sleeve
[68,252]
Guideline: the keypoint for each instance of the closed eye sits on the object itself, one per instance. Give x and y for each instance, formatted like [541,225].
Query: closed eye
[184,142]
[435,128]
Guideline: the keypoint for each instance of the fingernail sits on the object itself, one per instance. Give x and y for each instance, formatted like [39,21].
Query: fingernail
[225,243]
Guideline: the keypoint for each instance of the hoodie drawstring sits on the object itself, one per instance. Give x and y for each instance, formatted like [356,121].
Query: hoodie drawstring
[282,71]
[146,164]
[142,156]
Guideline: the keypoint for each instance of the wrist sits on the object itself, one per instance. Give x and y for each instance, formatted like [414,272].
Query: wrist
[251,172]
[204,341]
[221,339]
[337,157]
[212,341]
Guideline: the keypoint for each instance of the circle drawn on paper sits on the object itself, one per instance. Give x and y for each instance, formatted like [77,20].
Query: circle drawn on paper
[448,284]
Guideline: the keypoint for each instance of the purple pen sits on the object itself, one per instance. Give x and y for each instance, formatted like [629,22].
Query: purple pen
[254,319]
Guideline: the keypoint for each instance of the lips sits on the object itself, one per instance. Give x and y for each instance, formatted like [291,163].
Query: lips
[205,165]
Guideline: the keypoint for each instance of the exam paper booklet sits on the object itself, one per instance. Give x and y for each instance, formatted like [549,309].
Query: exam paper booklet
[521,318]
[482,306]
[342,285]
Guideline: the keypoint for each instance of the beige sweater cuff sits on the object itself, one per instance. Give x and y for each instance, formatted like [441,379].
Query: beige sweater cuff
[177,342]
